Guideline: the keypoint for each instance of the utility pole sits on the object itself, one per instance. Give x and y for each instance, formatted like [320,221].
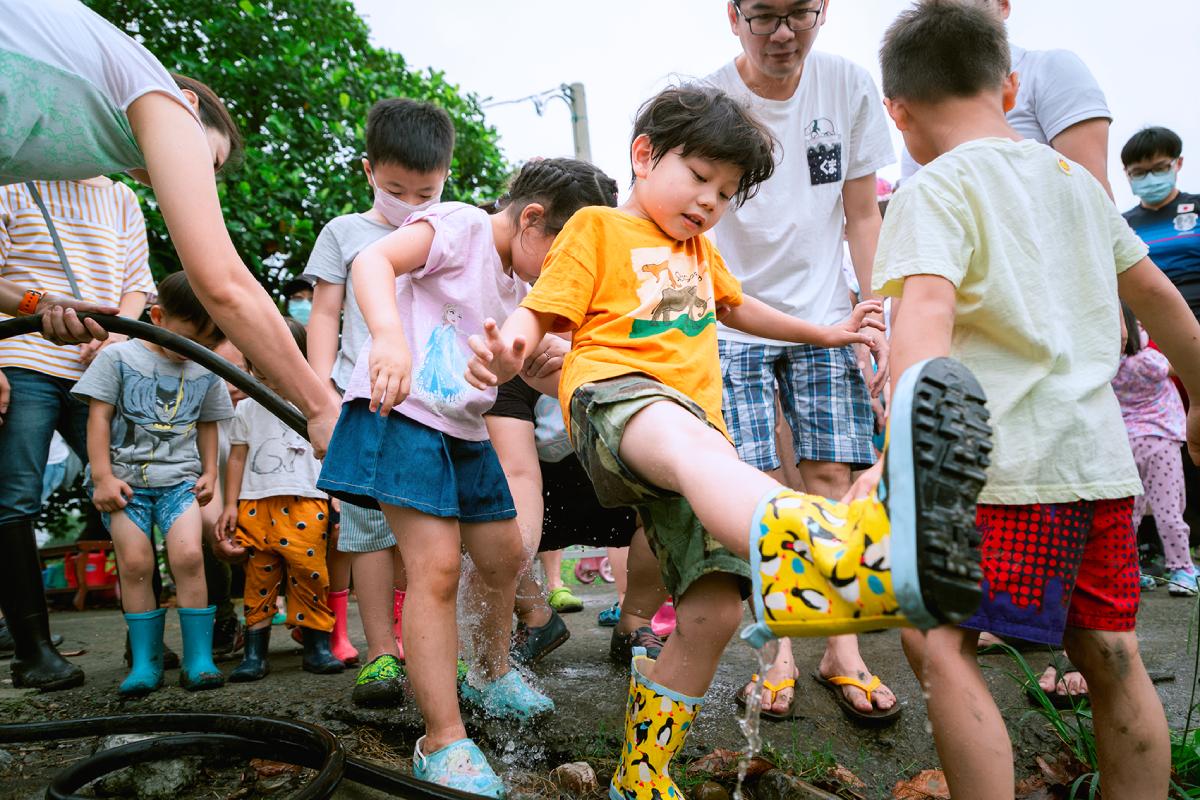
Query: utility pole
[577,98]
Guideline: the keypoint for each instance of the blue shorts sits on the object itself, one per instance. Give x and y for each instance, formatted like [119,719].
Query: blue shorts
[823,395]
[397,461]
[151,508]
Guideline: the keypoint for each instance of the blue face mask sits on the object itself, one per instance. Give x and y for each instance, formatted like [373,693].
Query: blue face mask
[1152,188]
[300,310]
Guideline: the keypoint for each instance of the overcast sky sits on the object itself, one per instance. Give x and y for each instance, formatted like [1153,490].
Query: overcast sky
[1143,54]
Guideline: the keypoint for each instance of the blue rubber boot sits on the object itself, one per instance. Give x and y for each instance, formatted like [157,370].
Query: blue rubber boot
[197,670]
[146,646]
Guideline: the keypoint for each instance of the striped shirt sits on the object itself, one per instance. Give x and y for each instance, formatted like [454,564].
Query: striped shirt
[104,236]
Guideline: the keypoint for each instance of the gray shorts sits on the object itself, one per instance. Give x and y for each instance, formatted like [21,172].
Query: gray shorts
[363,530]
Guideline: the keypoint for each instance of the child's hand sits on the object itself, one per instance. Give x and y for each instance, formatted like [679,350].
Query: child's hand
[496,361]
[547,357]
[112,494]
[391,373]
[856,328]
[223,545]
[204,489]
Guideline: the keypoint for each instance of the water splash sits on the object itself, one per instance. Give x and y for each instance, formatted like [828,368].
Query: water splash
[749,722]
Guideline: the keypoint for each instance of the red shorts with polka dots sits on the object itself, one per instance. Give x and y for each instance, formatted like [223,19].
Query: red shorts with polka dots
[1049,566]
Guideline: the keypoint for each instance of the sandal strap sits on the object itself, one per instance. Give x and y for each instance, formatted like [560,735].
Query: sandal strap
[867,688]
[775,688]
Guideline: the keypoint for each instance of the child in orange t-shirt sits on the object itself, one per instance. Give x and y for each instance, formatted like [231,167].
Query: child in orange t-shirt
[642,288]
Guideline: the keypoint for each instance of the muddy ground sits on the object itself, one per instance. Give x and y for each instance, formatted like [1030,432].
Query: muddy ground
[589,693]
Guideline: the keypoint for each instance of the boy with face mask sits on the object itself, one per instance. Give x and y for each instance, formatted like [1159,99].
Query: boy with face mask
[1166,218]
[409,149]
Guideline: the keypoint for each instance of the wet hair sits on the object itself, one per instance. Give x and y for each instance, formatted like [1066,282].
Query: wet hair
[214,114]
[939,49]
[561,186]
[1133,339]
[414,135]
[177,300]
[703,121]
[1150,142]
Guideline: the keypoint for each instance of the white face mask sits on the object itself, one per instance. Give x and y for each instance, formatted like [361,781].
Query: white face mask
[395,210]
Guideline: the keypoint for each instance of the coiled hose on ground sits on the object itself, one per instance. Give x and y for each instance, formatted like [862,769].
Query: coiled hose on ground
[229,735]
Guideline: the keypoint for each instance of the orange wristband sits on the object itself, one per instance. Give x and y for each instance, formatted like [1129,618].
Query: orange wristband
[29,303]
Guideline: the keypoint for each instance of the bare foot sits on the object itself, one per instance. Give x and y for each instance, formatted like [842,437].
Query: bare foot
[1070,683]
[842,658]
[988,640]
[80,600]
[784,667]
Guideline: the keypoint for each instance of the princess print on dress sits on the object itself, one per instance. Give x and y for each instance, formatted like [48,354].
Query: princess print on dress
[440,379]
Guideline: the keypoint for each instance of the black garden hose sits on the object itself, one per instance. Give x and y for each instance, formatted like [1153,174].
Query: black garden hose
[237,735]
[185,347]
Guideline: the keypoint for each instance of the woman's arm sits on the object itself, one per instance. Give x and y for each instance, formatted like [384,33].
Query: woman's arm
[180,169]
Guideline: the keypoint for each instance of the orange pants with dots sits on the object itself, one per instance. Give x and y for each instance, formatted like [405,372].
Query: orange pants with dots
[286,534]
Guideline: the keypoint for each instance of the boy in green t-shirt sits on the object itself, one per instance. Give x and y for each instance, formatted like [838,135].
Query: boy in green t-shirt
[1010,259]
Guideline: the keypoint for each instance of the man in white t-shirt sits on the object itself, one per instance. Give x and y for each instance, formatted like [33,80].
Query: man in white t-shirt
[785,245]
[1059,103]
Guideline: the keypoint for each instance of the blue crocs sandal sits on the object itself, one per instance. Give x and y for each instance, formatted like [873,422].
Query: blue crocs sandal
[459,765]
[609,617]
[507,697]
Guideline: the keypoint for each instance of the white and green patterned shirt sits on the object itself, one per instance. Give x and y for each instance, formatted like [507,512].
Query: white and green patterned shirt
[67,79]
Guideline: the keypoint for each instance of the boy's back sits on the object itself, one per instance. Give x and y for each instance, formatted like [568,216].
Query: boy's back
[1033,245]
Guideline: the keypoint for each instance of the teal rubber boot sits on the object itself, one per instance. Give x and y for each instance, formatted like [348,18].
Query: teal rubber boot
[197,670]
[146,647]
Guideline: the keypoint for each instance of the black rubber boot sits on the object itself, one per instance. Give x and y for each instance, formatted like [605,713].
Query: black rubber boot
[36,664]
[318,657]
[254,666]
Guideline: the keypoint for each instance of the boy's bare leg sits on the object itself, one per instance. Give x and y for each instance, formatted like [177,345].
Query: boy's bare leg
[552,564]
[644,591]
[968,730]
[1132,740]
[495,547]
[706,617]
[374,574]
[618,561]
[135,564]
[667,446]
[185,554]
[431,627]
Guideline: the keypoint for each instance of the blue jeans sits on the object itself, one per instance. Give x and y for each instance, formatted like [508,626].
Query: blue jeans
[40,405]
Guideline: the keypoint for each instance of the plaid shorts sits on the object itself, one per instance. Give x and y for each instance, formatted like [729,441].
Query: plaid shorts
[685,550]
[823,395]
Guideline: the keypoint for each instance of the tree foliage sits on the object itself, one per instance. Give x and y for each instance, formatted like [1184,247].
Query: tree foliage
[298,77]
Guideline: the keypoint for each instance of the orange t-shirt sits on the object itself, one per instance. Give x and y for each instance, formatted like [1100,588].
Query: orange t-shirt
[638,301]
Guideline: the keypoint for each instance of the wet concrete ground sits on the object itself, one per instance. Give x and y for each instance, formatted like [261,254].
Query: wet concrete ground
[589,693]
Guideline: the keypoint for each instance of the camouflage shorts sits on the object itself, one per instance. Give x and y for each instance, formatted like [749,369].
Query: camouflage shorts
[599,413]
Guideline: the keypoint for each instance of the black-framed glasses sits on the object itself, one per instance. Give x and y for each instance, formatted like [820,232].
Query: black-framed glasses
[1159,170]
[797,21]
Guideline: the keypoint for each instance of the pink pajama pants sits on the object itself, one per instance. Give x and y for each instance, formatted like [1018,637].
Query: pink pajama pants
[1161,468]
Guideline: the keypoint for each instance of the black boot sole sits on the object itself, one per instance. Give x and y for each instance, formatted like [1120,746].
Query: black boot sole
[950,442]
[67,681]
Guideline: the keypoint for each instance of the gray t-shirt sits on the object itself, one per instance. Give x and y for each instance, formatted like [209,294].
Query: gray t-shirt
[159,402]
[337,245]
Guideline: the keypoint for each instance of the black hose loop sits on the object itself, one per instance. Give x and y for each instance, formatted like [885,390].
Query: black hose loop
[185,347]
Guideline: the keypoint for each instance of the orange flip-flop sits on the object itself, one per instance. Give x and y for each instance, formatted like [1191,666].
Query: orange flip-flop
[875,718]
[774,689]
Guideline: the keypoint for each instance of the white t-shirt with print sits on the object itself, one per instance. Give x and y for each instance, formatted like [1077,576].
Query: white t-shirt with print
[279,461]
[1033,245]
[1057,90]
[785,243]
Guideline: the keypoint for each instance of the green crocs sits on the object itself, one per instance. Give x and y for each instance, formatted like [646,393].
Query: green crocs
[380,682]
[562,601]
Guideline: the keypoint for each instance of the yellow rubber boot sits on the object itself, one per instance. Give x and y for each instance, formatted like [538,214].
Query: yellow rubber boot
[657,721]
[905,556]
